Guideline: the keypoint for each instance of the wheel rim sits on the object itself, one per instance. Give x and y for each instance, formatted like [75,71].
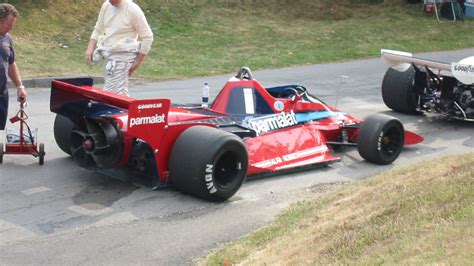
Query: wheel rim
[391,143]
[226,170]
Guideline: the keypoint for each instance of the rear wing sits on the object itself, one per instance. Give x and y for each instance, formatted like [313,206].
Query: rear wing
[78,91]
[76,98]
[463,71]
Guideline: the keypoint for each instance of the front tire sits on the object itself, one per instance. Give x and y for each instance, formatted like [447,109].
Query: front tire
[381,139]
[398,91]
[208,163]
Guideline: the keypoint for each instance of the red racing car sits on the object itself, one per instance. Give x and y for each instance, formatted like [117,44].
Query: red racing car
[208,152]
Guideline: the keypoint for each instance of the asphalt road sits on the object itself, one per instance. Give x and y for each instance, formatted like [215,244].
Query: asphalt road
[60,214]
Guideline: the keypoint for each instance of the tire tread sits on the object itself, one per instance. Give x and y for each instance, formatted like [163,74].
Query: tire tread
[398,92]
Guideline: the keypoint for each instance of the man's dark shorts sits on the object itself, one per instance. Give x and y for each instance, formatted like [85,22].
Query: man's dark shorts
[3,110]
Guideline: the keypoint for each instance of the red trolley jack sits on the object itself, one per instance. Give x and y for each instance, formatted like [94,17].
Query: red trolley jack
[24,141]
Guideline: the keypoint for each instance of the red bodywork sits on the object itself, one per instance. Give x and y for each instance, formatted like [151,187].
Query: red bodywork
[298,139]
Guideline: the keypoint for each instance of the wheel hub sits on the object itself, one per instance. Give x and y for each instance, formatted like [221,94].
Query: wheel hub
[88,145]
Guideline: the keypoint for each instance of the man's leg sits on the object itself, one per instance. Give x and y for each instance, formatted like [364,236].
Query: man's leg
[116,76]
[3,110]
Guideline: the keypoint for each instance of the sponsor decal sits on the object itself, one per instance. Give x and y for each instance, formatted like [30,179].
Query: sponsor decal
[279,106]
[149,106]
[464,72]
[147,120]
[379,141]
[272,122]
[209,179]
[291,156]
[463,68]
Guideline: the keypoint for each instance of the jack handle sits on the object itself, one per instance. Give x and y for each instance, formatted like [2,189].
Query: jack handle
[21,114]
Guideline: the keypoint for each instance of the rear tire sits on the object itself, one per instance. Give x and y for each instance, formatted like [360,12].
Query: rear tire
[208,163]
[62,132]
[381,139]
[398,91]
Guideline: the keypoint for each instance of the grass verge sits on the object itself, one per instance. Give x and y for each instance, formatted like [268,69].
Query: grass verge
[196,38]
[420,214]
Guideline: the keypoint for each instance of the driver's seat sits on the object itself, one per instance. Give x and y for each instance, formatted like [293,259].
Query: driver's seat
[285,91]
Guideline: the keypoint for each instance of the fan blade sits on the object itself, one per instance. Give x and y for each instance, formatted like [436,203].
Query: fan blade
[101,150]
[78,152]
[87,162]
[80,133]
[95,128]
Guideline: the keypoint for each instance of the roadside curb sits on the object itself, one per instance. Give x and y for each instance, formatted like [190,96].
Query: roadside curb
[45,82]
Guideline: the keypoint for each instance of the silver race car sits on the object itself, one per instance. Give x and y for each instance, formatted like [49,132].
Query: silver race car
[413,85]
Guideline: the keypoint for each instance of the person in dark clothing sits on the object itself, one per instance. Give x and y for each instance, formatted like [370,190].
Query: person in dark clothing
[452,10]
[463,7]
[8,67]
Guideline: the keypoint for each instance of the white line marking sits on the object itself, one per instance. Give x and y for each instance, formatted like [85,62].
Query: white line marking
[90,209]
[35,190]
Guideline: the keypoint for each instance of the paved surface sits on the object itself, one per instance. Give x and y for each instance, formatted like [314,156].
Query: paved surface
[60,214]
[45,82]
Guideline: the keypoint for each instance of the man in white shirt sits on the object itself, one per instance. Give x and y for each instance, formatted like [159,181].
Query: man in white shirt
[115,38]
